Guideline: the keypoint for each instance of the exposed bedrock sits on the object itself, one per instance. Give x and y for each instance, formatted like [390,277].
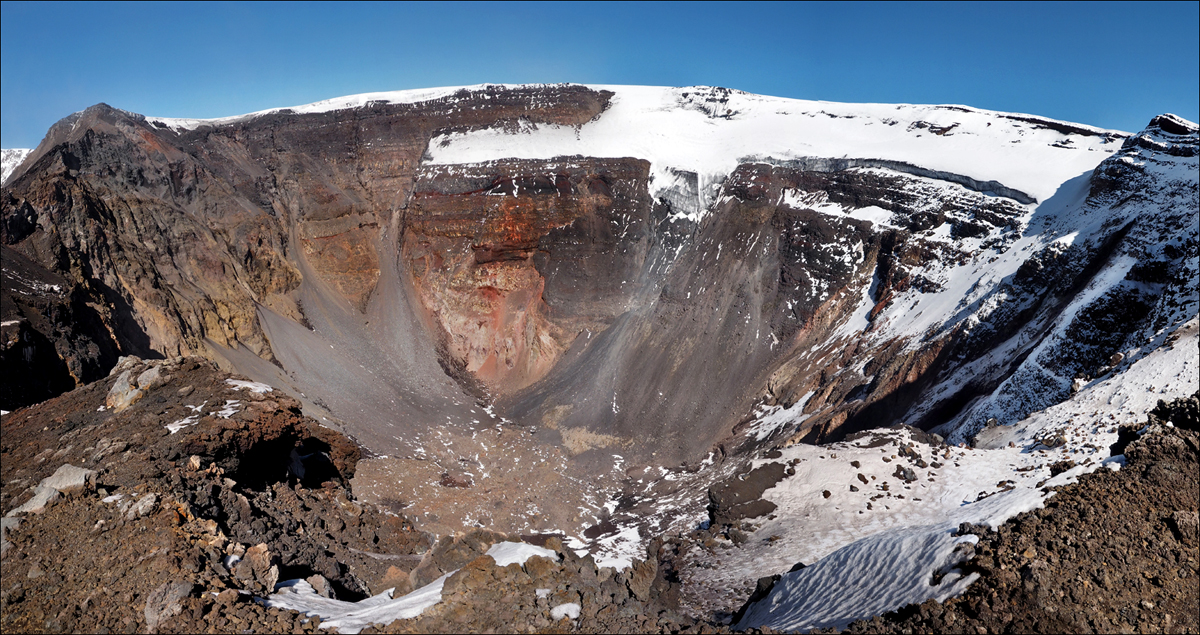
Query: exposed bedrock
[823,164]
[756,277]
[517,259]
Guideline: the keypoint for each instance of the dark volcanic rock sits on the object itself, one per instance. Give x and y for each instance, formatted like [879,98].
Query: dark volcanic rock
[54,336]
[482,597]
[740,496]
[1181,413]
[173,529]
[214,505]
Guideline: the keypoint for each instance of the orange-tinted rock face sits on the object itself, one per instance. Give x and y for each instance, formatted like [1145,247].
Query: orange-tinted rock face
[492,313]
[471,236]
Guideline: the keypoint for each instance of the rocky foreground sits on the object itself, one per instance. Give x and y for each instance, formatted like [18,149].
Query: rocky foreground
[122,525]
[171,496]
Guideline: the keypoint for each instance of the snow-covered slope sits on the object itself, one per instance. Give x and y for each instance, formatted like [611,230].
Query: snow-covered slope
[1126,339]
[709,131]
[10,158]
[1141,208]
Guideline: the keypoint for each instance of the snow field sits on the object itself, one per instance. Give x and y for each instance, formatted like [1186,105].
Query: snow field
[668,127]
[868,577]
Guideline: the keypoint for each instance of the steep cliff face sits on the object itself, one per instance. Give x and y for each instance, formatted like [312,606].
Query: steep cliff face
[516,259]
[641,272]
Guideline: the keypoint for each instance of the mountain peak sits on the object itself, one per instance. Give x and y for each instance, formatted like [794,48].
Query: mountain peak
[10,159]
[1173,124]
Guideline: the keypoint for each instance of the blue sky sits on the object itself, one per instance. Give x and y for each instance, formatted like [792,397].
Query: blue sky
[1113,65]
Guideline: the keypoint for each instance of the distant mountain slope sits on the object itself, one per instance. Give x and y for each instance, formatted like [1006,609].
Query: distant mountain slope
[10,158]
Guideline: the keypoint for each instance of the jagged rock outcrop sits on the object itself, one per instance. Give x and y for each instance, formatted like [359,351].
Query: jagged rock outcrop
[189,488]
[53,336]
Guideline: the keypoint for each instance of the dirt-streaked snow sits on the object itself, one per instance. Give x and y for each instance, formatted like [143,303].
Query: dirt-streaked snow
[352,617]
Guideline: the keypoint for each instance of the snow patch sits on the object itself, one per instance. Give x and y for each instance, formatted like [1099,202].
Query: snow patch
[229,409]
[620,549]
[185,422]
[10,160]
[506,553]
[770,419]
[570,610]
[252,386]
[352,617]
